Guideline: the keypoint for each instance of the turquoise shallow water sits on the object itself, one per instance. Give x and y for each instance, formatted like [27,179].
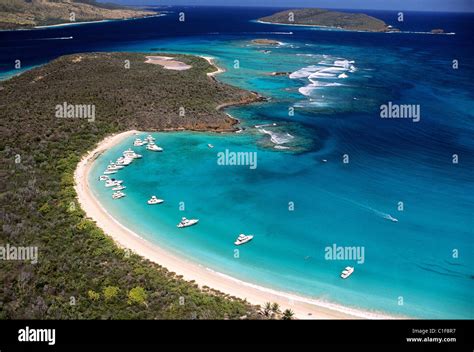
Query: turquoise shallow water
[335,203]
[288,251]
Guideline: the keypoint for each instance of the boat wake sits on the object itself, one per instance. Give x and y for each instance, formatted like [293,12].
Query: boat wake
[58,38]
[377,212]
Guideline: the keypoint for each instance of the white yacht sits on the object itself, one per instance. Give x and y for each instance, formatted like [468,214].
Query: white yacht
[153,147]
[114,167]
[118,188]
[154,200]
[210,146]
[138,142]
[347,272]
[118,195]
[110,172]
[131,154]
[112,183]
[242,239]
[149,138]
[187,222]
[112,164]
[104,178]
[124,161]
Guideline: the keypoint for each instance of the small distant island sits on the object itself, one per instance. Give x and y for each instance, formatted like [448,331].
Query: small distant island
[265,42]
[24,14]
[330,19]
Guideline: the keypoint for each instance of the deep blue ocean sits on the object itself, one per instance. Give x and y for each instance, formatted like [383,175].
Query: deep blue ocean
[421,266]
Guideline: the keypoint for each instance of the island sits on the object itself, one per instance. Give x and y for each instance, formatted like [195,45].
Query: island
[330,19]
[23,14]
[77,261]
[265,42]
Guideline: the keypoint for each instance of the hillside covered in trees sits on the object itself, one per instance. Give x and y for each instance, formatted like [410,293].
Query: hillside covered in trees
[15,14]
[329,18]
[81,273]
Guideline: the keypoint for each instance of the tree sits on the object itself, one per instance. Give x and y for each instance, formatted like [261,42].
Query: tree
[275,308]
[94,296]
[267,309]
[137,295]
[110,292]
[288,314]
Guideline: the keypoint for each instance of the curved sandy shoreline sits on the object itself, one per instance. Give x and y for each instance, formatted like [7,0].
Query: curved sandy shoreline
[304,308]
[212,62]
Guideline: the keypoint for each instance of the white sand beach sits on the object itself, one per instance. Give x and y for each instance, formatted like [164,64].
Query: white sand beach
[212,62]
[304,308]
[169,63]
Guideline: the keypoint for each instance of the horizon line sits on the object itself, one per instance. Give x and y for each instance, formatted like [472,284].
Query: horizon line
[300,7]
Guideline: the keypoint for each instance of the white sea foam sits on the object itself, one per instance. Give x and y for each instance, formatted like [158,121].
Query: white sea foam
[343,63]
[304,72]
[277,137]
[307,90]
[328,69]
[265,125]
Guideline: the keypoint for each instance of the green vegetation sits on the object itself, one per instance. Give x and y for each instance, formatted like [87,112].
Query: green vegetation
[326,18]
[81,273]
[272,311]
[288,314]
[137,295]
[16,14]
[111,292]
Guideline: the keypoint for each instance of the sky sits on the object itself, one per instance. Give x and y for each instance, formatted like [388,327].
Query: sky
[397,5]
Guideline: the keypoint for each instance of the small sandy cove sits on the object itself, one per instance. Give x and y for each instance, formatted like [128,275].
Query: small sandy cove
[304,308]
[167,62]
[212,62]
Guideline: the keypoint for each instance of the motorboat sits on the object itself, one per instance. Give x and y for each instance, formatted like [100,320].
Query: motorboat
[187,222]
[153,147]
[149,138]
[118,188]
[391,218]
[110,172]
[118,195]
[114,167]
[129,153]
[243,239]
[138,142]
[347,272]
[154,200]
[104,178]
[210,146]
[112,183]
[124,161]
